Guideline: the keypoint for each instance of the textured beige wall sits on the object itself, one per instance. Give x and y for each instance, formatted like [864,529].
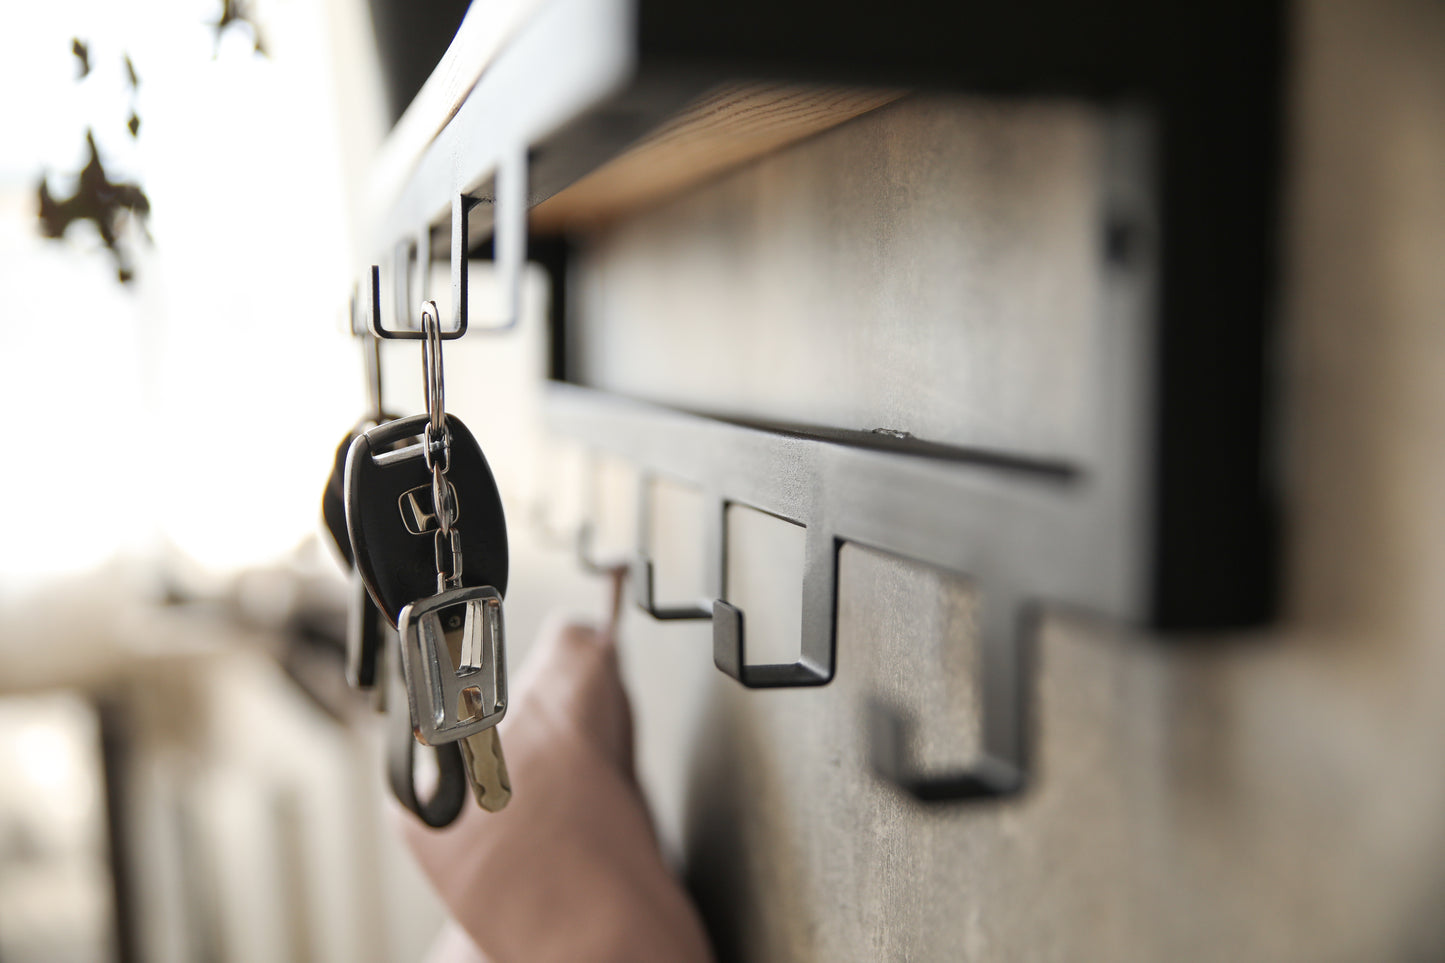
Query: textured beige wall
[1275,796]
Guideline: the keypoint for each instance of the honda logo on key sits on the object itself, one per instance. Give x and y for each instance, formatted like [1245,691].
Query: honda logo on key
[417,511]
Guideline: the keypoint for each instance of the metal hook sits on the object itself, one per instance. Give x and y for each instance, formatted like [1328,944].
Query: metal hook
[509,239]
[589,562]
[587,531]
[371,357]
[404,273]
[509,235]
[818,631]
[815,666]
[643,572]
[643,575]
[1007,630]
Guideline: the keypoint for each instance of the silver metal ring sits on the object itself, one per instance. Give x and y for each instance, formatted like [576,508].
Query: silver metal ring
[431,362]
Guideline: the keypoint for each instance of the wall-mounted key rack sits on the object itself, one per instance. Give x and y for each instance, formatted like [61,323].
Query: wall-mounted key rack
[586,111]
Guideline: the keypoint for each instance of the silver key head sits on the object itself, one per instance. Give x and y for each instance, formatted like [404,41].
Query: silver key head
[452,698]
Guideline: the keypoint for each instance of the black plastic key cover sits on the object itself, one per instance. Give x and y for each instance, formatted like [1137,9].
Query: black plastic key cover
[392,525]
[333,500]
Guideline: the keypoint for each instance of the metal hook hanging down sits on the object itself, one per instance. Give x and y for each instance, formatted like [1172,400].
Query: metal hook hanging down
[371,356]
[509,236]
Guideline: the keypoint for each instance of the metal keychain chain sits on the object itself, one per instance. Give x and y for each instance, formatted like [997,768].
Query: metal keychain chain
[436,445]
[483,761]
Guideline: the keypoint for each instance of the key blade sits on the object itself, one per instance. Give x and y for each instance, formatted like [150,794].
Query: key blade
[486,769]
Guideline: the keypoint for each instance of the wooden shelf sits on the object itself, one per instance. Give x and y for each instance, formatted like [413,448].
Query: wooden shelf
[726,127]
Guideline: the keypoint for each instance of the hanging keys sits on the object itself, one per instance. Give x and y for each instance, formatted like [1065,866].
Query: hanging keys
[430,541]
[462,637]
[373,653]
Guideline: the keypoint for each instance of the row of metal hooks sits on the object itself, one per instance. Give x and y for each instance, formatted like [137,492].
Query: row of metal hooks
[1007,626]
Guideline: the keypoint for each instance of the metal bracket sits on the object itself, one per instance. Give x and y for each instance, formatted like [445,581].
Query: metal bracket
[1006,639]
[952,513]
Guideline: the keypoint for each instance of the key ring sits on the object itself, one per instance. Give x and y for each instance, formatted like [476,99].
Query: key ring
[436,437]
[431,363]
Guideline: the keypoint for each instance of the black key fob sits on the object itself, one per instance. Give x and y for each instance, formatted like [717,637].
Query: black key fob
[392,523]
[364,625]
[333,500]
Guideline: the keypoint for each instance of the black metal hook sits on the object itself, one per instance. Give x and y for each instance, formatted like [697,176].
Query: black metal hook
[580,538]
[644,572]
[729,637]
[1007,631]
[729,653]
[642,578]
[816,662]
[588,560]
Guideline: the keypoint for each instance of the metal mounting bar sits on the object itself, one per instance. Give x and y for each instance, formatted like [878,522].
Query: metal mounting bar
[1023,530]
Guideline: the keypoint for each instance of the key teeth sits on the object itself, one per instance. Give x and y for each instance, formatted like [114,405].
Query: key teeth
[494,794]
[496,800]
